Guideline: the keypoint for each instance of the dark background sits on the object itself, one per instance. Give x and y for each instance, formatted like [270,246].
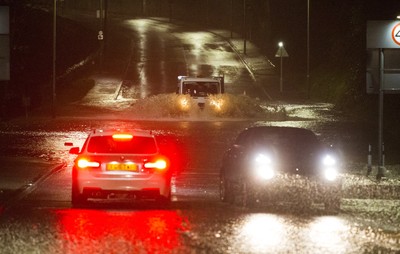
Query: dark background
[337,42]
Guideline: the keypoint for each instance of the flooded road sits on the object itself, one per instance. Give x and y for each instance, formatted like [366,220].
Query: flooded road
[188,227]
[43,221]
[37,216]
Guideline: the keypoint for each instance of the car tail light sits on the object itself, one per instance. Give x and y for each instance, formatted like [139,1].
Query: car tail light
[160,164]
[122,136]
[84,163]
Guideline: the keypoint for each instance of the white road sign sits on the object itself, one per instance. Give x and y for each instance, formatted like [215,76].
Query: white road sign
[396,34]
[281,52]
[383,34]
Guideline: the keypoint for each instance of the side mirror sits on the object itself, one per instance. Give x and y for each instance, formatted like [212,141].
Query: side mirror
[74,150]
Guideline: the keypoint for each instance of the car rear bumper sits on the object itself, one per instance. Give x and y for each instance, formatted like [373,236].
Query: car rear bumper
[151,187]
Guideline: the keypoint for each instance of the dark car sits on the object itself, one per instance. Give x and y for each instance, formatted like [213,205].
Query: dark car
[280,164]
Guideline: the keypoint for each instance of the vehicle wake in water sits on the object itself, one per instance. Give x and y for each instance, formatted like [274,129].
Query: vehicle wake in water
[225,106]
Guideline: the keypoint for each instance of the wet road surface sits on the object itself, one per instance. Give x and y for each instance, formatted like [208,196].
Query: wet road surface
[43,220]
[39,218]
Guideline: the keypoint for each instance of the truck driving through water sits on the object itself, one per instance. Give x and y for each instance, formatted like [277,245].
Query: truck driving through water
[200,88]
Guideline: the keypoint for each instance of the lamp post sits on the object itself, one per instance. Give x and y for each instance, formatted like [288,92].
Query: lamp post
[53,101]
[244,27]
[308,49]
[281,52]
[231,19]
[280,44]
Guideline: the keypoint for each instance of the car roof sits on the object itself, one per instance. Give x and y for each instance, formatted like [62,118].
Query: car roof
[255,133]
[277,129]
[190,79]
[109,132]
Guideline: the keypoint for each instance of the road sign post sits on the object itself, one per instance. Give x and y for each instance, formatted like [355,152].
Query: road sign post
[383,69]
[281,53]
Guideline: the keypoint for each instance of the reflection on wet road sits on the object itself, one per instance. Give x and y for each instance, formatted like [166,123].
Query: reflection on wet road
[121,231]
[187,227]
[197,222]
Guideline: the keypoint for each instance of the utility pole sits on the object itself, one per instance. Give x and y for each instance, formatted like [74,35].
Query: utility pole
[380,173]
[53,104]
[244,27]
[281,53]
[308,49]
[231,19]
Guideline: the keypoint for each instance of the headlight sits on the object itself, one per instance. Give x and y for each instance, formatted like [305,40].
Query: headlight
[328,161]
[184,104]
[263,167]
[331,174]
[329,167]
[217,104]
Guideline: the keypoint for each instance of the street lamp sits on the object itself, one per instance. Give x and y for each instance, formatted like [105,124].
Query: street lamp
[244,27]
[280,44]
[53,100]
[281,53]
[308,49]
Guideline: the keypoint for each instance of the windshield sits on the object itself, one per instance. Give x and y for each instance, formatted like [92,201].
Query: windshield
[136,145]
[290,142]
[200,88]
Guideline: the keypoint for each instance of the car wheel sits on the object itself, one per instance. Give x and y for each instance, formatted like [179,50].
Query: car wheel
[163,201]
[225,190]
[77,199]
[249,198]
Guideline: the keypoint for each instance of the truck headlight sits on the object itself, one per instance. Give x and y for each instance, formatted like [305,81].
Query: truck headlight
[184,104]
[263,167]
[217,104]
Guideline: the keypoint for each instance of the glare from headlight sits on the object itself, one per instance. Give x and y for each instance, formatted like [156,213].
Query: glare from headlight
[263,159]
[328,160]
[217,104]
[184,104]
[265,173]
[329,167]
[331,174]
[263,167]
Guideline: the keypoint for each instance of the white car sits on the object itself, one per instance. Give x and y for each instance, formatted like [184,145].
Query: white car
[120,164]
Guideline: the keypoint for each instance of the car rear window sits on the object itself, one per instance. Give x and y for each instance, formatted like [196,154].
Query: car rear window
[136,145]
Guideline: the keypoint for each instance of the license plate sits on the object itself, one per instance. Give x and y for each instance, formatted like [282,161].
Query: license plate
[122,167]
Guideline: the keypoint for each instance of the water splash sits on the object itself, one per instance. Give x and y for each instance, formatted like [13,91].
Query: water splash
[222,106]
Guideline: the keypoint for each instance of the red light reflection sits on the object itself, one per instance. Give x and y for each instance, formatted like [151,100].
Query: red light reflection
[91,231]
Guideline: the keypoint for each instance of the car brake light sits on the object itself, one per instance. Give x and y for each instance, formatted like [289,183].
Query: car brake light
[84,163]
[159,164]
[122,136]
